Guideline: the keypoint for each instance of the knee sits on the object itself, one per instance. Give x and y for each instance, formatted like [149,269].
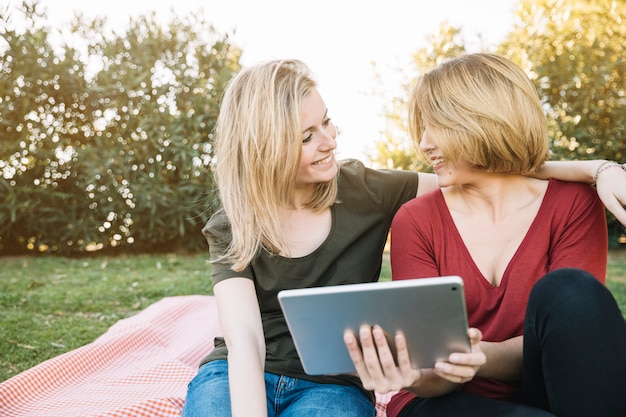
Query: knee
[568,290]
[566,281]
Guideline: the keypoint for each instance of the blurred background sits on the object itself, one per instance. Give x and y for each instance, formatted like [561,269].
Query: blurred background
[107,109]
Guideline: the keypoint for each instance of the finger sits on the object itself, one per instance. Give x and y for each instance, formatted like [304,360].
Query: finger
[370,370]
[354,350]
[408,373]
[370,351]
[455,373]
[385,354]
[352,344]
[477,358]
[402,352]
[391,378]
[474,335]
[616,208]
[610,188]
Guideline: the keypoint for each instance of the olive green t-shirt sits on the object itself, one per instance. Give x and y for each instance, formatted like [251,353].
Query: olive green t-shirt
[352,253]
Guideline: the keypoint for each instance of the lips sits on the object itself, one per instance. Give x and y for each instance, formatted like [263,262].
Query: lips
[436,162]
[323,161]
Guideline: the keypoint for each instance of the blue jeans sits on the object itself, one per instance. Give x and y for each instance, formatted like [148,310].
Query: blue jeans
[208,395]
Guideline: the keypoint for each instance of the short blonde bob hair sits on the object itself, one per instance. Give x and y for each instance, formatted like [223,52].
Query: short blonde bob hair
[258,151]
[484,110]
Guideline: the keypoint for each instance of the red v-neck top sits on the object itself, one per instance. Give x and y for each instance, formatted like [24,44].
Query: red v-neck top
[568,231]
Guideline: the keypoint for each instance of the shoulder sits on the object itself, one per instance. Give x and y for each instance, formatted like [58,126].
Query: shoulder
[574,191]
[377,190]
[423,208]
[217,228]
[572,187]
[353,172]
[428,202]
[572,203]
[350,169]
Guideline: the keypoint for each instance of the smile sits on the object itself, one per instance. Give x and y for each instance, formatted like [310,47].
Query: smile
[323,161]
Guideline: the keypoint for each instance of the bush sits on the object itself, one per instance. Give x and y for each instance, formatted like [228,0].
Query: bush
[107,139]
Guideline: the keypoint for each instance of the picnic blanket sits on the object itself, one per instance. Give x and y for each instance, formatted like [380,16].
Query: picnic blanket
[139,368]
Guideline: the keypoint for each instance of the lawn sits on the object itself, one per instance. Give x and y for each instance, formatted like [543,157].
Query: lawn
[51,305]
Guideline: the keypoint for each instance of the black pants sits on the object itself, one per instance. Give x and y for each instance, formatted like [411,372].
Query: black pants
[574,357]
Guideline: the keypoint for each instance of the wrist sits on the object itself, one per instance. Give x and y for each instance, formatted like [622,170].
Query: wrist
[607,165]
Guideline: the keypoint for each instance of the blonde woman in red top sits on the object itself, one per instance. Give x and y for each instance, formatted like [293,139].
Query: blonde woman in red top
[547,336]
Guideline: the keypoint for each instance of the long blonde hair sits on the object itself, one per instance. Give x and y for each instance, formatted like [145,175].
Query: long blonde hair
[485,110]
[258,151]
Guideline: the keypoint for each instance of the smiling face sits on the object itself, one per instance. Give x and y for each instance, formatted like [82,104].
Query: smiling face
[448,172]
[317,162]
[482,109]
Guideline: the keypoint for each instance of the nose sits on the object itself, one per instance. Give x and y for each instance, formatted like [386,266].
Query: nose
[329,137]
[425,142]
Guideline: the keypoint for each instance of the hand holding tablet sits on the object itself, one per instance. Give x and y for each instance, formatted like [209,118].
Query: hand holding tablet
[430,312]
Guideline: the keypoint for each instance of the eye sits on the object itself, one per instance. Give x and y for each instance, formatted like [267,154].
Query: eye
[327,121]
[307,139]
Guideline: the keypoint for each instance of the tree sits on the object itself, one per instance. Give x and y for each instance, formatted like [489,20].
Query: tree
[574,52]
[396,150]
[107,139]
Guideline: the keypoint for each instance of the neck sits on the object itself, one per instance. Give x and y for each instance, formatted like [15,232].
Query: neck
[497,196]
[302,196]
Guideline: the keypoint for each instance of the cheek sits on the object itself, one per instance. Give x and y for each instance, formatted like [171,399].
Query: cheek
[306,157]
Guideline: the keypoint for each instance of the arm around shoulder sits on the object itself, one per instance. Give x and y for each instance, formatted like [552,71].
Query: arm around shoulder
[609,177]
[427,183]
[611,188]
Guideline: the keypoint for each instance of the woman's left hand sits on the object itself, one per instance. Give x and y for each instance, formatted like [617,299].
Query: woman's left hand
[462,367]
[611,188]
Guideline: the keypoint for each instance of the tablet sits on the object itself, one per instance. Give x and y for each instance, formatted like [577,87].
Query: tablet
[429,311]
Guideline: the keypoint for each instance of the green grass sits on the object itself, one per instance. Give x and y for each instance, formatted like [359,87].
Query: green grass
[51,305]
[616,277]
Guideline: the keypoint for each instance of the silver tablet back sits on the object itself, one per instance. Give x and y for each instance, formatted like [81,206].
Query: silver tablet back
[430,312]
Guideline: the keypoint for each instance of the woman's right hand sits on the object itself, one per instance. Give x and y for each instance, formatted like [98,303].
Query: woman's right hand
[375,364]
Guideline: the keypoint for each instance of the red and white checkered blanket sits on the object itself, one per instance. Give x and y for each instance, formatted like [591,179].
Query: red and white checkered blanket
[139,368]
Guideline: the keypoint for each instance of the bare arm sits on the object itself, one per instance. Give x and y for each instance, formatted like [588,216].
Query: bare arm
[504,360]
[610,180]
[426,183]
[573,171]
[240,320]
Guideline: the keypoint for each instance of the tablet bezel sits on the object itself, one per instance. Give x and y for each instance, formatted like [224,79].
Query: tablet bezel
[431,313]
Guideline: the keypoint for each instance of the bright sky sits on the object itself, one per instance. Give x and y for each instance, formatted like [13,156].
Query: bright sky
[338,39]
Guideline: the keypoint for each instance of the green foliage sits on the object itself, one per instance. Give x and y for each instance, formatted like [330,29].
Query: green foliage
[107,139]
[396,150]
[574,52]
